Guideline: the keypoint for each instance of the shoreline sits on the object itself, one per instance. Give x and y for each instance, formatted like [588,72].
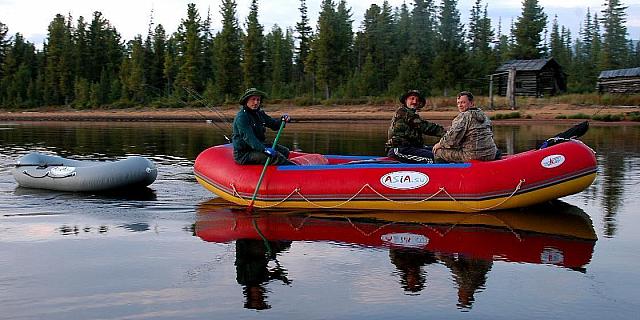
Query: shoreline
[308,114]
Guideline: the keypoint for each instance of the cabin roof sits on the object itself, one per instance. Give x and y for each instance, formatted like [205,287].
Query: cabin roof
[631,72]
[526,65]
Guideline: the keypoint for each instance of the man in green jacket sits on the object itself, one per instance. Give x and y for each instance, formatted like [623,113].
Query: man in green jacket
[405,136]
[249,127]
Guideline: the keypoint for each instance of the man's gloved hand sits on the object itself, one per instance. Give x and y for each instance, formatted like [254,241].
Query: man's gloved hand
[285,117]
[270,152]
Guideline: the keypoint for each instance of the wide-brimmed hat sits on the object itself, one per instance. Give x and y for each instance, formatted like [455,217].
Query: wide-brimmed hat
[417,93]
[251,92]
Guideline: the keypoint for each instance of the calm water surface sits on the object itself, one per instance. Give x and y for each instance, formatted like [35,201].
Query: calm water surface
[172,251]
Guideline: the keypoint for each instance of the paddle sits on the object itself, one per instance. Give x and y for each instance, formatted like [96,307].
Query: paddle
[574,132]
[266,164]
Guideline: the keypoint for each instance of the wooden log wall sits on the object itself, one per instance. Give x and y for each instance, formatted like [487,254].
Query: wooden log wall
[619,85]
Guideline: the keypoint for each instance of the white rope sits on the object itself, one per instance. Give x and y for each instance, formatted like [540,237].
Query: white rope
[453,225]
[367,234]
[491,207]
[442,189]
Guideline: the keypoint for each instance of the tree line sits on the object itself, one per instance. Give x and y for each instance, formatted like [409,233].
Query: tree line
[86,64]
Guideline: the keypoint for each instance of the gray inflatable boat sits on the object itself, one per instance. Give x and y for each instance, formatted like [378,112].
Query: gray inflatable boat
[41,171]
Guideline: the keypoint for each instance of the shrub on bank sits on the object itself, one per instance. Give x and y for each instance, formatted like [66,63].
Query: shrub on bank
[633,116]
[578,116]
[608,117]
[511,115]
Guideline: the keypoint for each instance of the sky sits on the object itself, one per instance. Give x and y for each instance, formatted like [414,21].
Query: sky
[131,17]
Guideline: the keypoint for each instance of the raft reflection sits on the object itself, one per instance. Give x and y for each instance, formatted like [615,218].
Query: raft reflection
[467,244]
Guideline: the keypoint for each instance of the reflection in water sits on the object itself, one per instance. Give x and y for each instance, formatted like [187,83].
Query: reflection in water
[252,269]
[135,227]
[557,233]
[409,262]
[470,275]
[134,194]
[75,230]
[613,177]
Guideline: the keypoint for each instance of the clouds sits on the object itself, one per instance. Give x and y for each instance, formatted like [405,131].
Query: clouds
[131,17]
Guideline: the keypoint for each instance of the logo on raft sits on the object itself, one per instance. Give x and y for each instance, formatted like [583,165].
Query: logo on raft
[404,180]
[406,240]
[552,161]
[62,172]
[550,255]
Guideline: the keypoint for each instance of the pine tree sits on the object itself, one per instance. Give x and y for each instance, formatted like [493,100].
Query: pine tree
[325,49]
[132,74]
[190,54]
[423,40]
[555,41]
[344,41]
[406,78]
[304,34]
[154,51]
[482,60]
[58,88]
[503,48]
[157,79]
[450,61]
[207,70]
[377,44]
[170,69]
[104,60]
[228,52]
[528,30]
[4,45]
[636,55]
[596,43]
[19,68]
[614,38]
[81,49]
[279,56]
[402,31]
[254,50]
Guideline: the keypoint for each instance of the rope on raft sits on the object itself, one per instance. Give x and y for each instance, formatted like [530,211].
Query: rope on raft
[442,189]
[424,225]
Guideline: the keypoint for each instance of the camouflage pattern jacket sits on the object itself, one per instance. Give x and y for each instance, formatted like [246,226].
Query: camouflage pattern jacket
[469,138]
[407,129]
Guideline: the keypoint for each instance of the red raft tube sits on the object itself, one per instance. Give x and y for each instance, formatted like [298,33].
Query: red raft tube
[353,182]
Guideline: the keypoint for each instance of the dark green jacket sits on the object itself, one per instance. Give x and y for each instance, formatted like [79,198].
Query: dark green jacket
[407,129]
[249,129]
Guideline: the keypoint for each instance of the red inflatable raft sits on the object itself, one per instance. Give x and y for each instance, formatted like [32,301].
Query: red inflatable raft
[351,182]
[559,233]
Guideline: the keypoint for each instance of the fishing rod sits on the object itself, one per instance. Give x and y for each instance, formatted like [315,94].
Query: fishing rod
[194,94]
[209,106]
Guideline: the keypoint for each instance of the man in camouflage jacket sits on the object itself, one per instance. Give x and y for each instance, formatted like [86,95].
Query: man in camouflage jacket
[470,136]
[405,136]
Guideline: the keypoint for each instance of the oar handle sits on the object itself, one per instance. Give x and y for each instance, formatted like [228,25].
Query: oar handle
[266,164]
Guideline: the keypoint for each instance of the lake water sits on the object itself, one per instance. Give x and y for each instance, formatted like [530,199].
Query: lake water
[172,251]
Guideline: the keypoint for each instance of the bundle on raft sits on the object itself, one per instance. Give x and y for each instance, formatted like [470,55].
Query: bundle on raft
[555,233]
[352,182]
[41,171]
